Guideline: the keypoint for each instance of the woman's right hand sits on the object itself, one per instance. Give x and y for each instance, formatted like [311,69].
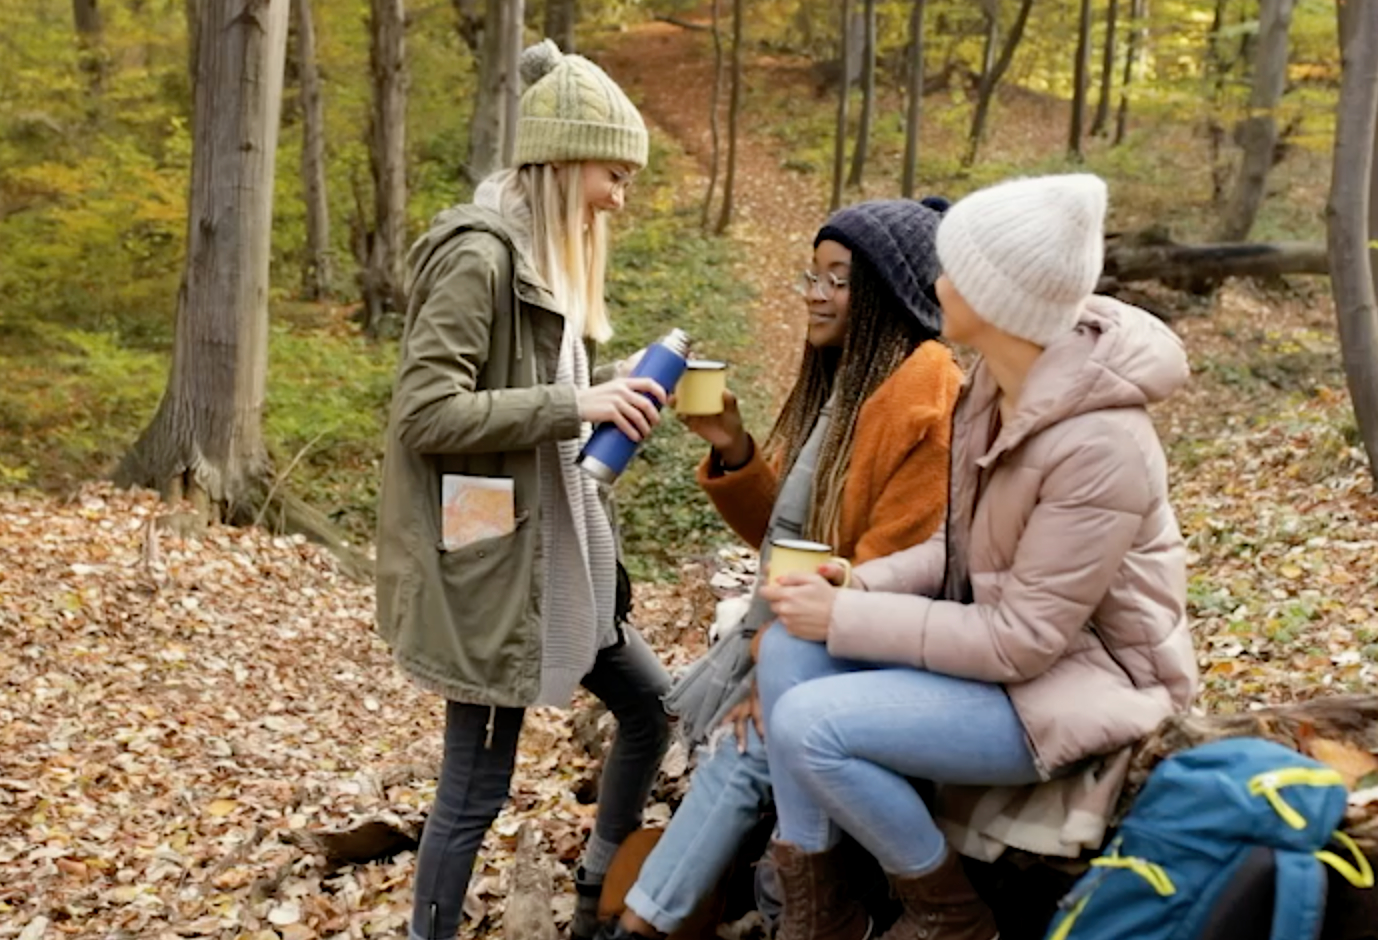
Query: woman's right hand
[725,431]
[623,401]
[747,710]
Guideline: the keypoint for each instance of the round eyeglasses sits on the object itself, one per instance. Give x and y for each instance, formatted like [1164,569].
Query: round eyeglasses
[809,284]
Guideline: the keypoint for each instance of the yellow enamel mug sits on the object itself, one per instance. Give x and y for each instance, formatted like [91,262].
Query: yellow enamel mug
[798,556]
[701,389]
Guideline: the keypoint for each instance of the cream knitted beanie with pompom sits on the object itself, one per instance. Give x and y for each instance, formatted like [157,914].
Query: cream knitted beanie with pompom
[572,111]
[1025,254]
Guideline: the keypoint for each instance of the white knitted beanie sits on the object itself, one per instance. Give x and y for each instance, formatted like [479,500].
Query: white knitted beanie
[1025,254]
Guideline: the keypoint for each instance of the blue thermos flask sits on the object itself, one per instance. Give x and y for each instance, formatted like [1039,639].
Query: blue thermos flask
[608,450]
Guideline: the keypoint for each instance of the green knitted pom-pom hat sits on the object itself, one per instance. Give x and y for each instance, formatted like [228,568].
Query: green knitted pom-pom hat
[572,111]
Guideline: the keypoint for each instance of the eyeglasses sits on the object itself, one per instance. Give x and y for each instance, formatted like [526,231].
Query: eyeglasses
[826,286]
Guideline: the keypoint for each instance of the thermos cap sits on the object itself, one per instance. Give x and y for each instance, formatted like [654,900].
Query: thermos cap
[677,340]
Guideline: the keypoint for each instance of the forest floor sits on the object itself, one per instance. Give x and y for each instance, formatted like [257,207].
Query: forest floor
[177,714]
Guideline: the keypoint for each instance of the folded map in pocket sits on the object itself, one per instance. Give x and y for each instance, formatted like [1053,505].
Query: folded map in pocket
[474,508]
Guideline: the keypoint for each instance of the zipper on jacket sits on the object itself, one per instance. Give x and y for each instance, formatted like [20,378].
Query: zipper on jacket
[435,915]
[492,719]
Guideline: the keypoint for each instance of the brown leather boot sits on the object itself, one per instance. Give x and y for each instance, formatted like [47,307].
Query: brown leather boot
[817,902]
[941,905]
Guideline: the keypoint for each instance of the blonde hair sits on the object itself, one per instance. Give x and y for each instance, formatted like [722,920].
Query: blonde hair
[547,199]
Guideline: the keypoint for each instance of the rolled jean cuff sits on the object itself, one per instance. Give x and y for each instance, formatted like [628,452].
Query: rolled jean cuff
[640,903]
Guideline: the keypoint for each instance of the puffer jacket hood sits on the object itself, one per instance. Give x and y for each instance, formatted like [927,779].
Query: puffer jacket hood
[1118,357]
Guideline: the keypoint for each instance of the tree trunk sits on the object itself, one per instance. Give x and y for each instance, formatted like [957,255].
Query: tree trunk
[193,11]
[734,109]
[1107,71]
[469,24]
[205,442]
[868,98]
[1258,133]
[714,106]
[1348,214]
[1081,74]
[560,17]
[382,278]
[843,96]
[87,17]
[316,272]
[985,88]
[485,127]
[513,24]
[990,77]
[1138,12]
[914,116]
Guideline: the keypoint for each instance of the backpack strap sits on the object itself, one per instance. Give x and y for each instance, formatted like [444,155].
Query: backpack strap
[1299,907]
[1359,875]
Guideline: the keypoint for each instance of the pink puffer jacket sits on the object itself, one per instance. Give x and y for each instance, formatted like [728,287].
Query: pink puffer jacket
[1066,575]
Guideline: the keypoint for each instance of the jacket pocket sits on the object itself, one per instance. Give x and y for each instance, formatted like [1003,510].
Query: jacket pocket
[485,600]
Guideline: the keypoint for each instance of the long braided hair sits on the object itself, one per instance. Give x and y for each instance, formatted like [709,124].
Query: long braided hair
[880,336]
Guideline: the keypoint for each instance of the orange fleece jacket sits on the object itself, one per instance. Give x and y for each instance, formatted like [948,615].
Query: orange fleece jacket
[895,494]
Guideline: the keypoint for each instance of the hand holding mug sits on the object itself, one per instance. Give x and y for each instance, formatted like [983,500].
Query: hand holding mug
[725,431]
[803,603]
[838,573]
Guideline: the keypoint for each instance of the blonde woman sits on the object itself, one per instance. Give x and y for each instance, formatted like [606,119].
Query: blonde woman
[521,604]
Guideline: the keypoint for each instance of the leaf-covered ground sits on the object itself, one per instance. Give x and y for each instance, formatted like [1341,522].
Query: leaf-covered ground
[176,714]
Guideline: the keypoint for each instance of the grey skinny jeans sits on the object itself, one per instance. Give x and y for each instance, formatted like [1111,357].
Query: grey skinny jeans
[476,774]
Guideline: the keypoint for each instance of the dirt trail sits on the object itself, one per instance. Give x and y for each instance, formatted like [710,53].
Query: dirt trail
[668,71]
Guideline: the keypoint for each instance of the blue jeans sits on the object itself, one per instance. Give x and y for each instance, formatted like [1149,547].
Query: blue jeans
[728,792]
[845,736]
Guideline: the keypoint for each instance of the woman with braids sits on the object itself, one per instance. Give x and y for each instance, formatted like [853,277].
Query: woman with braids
[858,459]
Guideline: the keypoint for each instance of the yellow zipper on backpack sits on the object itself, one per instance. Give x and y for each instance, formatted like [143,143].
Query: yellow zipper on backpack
[1268,784]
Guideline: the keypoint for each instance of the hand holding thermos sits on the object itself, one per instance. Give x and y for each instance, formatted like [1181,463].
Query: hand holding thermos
[631,403]
[625,422]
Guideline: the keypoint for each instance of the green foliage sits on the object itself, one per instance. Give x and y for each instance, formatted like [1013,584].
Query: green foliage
[328,392]
[71,402]
[95,155]
[665,274]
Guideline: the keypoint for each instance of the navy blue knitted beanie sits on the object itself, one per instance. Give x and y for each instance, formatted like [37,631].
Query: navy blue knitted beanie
[896,237]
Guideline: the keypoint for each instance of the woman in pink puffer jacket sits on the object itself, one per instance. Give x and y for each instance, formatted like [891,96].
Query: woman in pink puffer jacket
[1044,626]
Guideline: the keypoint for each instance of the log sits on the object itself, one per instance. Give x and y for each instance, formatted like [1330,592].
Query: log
[530,888]
[682,23]
[1199,268]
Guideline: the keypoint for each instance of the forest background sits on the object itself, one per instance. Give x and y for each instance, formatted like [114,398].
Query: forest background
[1271,477]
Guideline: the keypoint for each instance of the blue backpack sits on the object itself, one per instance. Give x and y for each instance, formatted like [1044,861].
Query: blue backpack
[1216,833]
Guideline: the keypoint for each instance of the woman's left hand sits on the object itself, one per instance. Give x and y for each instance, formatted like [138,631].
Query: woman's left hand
[804,604]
